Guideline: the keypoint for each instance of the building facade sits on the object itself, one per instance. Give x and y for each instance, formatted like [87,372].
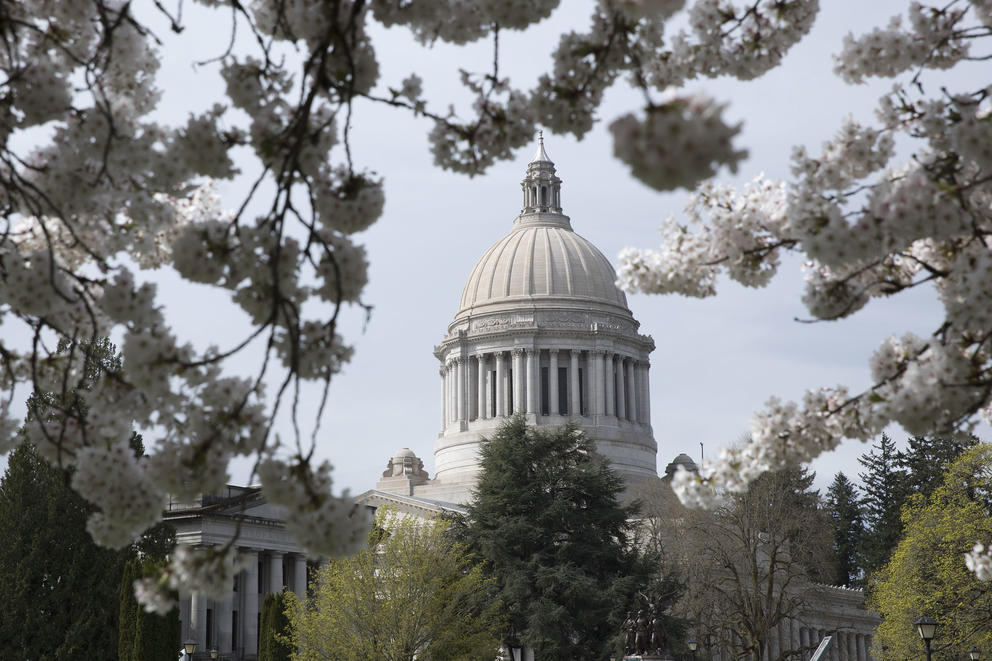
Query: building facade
[275,562]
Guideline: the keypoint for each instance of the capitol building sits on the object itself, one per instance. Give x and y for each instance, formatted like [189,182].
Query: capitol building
[543,331]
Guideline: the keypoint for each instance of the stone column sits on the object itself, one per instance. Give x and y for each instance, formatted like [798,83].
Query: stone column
[444,399]
[575,404]
[452,407]
[646,393]
[773,647]
[862,647]
[471,380]
[553,382]
[198,618]
[481,398]
[519,403]
[621,390]
[596,392]
[533,380]
[300,575]
[611,397]
[804,641]
[250,615]
[500,384]
[275,571]
[222,620]
[460,383]
[633,389]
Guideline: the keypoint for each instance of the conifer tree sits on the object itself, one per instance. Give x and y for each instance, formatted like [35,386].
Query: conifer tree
[927,457]
[59,588]
[156,636]
[272,645]
[128,614]
[884,483]
[844,507]
[547,522]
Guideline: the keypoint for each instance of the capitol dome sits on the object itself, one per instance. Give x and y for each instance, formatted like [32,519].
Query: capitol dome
[542,330]
[539,260]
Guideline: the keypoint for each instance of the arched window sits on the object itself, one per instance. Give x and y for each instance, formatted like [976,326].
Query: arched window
[544,196]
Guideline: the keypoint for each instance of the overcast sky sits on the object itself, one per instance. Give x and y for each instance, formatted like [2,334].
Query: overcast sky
[716,361]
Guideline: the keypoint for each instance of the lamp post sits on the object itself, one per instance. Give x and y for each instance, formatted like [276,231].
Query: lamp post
[926,627]
[213,654]
[975,654]
[692,647]
[190,647]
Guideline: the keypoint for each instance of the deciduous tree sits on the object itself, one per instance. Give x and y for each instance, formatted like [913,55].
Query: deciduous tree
[413,593]
[751,563]
[926,575]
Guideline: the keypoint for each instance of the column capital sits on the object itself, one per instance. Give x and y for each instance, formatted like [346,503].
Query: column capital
[518,351]
[460,360]
[599,352]
[500,353]
[553,352]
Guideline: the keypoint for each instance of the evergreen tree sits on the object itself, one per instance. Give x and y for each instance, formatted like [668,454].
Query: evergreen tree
[926,459]
[844,507]
[156,636]
[128,613]
[59,589]
[884,483]
[547,522]
[272,641]
[144,636]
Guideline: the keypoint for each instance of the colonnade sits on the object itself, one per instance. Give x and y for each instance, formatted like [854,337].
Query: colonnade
[565,382]
[231,625]
[799,642]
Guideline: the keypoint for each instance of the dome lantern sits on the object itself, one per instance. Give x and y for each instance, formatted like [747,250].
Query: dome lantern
[541,187]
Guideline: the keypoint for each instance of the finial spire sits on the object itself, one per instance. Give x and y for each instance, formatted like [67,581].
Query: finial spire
[540,154]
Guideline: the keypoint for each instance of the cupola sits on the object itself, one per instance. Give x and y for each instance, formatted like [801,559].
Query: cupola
[541,187]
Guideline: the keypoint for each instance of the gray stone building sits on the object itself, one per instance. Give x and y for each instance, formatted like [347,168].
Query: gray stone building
[275,562]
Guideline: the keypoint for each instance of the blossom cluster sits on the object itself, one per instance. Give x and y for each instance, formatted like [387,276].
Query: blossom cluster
[864,227]
[979,561]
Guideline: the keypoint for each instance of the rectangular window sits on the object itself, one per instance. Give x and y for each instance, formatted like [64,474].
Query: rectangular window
[563,390]
[582,393]
[509,381]
[492,391]
[545,386]
[210,628]
[235,634]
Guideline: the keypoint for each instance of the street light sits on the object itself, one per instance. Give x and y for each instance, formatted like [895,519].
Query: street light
[213,654]
[926,627]
[190,647]
[692,647]
[975,654]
